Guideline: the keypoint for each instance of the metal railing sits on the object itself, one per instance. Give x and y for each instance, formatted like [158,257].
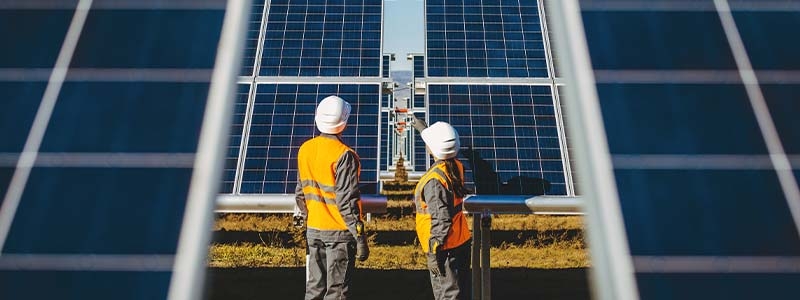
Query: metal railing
[482,207]
[283,203]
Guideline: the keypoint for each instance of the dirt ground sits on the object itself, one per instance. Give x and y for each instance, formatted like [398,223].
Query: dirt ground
[288,283]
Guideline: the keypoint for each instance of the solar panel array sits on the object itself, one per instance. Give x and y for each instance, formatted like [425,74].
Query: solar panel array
[283,118]
[484,38]
[99,146]
[301,40]
[508,135]
[489,75]
[417,103]
[701,128]
[323,38]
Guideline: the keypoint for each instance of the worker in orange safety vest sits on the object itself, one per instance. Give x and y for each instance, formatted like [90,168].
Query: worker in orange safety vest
[440,223]
[329,203]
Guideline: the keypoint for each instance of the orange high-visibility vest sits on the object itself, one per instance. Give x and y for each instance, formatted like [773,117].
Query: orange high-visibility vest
[459,232]
[316,166]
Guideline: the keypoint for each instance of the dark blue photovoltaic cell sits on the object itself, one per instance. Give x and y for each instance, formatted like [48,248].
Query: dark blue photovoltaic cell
[20,101]
[570,149]
[509,138]
[718,286]
[484,39]
[783,106]
[721,212]
[84,285]
[385,66]
[126,117]
[5,179]
[251,43]
[149,39]
[106,211]
[419,66]
[551,39]
[32,37]
[657,40]
[385,159]
[420,155]
[679,119]
[283,118]
[711,211]
[235,139]
[323,38]
[767,36]
[88,208]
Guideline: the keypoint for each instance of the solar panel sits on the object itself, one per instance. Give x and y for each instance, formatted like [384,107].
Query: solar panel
[419,73]
[283,118]
[509,136]
[253,35]
[385,146]
[36,48]
[323,38]
[421,157]
[235,139]
[489,38]
[419,66]
[701,143]
[98,167]
[387,58]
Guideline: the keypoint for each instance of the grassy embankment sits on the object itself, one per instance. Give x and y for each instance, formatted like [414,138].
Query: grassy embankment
[518,241]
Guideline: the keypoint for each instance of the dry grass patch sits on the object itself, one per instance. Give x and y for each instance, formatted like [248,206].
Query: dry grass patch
[407,257]
[283,222]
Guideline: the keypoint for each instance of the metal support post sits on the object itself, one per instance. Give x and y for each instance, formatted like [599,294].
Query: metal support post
[486,269]
[476,256]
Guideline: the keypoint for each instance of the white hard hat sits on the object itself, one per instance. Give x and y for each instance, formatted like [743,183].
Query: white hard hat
[332,114]
[442,140]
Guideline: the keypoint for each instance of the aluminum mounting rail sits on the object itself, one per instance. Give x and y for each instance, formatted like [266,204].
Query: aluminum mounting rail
[482,207]
[283,203]
[513,204]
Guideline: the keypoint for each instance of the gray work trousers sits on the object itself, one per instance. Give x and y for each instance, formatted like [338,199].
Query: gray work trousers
[456,281]
[330,267]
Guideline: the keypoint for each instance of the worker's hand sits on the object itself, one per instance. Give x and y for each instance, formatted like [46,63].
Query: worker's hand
[436,264]
[418,124]
[362,248]
[298,222]
[435,257]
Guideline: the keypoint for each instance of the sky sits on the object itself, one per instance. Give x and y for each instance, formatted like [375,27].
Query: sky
[403,30]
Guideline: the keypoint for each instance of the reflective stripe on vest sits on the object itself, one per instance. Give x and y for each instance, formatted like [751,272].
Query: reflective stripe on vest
[459,232]
[316,166]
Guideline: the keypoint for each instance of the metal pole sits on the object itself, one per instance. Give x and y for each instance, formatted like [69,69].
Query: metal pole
[476,256]
[486,269]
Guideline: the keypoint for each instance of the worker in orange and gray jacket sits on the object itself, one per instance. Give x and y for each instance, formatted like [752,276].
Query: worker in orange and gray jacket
[328,202]
[441,225]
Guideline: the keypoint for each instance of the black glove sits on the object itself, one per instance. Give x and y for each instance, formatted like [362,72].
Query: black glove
[362,248]
[299,222]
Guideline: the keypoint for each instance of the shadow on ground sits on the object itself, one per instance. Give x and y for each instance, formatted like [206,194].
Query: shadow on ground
[288,283]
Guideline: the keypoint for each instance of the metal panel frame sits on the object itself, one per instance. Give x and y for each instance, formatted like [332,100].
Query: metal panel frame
[251,98]
[612,273]
[190,259]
